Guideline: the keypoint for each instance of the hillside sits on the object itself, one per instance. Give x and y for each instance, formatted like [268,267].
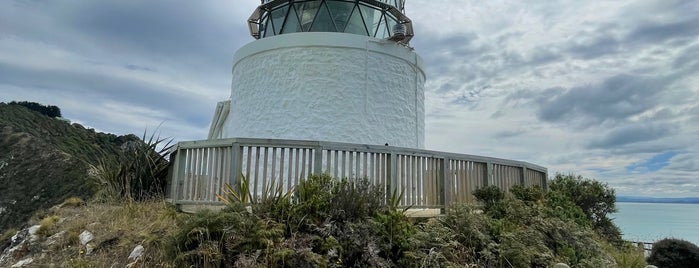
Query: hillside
[45,160]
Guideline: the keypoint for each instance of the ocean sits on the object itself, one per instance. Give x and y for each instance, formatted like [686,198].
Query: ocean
[649,222]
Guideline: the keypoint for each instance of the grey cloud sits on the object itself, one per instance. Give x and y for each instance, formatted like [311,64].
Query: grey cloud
[167,29]
[689,58]
[613,100]
[631,134]
[663,32]
[509,134]
[97,88]
[688,162]
[599,46]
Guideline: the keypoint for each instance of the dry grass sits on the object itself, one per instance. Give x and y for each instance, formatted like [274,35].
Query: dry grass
[47,224]
[7,235]
[73,202]
[627,256]
[117,229]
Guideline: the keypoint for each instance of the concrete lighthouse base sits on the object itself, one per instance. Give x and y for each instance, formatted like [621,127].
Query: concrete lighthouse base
[325,86]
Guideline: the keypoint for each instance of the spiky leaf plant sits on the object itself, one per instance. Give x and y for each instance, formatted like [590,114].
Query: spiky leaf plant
[138,172]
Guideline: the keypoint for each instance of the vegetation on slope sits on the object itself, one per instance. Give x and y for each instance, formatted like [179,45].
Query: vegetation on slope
[324,222]
[44,160]
[523,229]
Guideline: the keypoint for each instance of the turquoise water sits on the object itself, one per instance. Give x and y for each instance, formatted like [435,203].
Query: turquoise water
[650,222]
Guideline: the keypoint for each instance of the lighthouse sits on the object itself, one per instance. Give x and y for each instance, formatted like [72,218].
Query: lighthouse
[327,70]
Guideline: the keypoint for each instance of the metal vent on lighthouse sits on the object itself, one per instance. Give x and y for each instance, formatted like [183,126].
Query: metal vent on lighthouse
[374,18]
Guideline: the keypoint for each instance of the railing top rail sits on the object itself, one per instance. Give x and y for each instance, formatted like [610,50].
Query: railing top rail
[354,147]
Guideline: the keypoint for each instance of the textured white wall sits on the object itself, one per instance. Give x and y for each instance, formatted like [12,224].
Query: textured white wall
[330,87]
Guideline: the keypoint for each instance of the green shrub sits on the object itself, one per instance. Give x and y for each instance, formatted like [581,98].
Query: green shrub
[197,231]
[491,198]
[595,199]
[671,252]
[532,194]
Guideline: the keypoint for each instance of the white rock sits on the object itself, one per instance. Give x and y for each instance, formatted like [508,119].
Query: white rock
[651,266]
[89,248]
[86,237]
[561,265]
[15,237]
[136,253]
[52,239]
[23,263]
[32,233]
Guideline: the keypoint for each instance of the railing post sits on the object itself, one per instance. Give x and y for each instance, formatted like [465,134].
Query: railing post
[175,179]
[446,186]
[489,180]
[236,163]
[392,170]
[318,160]
[523,180]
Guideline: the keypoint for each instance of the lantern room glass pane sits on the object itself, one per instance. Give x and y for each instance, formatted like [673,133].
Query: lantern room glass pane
[307,13]
[292,24]
[340,12]
[323,21]
[371,18]
[278,16]
[355,24]
[266,29]
[381,30]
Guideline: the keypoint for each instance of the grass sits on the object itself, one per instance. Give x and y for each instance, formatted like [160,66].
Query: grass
[7,235]
[73,202]
[627,256]
[117,230]
[46,225]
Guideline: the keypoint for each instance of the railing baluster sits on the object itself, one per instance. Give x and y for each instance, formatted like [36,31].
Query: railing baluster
[296,165]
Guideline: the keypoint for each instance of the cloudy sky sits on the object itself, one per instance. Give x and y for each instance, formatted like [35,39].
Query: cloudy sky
[605,89]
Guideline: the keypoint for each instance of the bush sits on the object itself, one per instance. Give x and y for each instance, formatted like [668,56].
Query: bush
[532,194]
[491,197]
[671,252]
[595,199]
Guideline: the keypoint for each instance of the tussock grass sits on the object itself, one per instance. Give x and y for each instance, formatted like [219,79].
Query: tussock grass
[73,202]
[627,256]
[46,225]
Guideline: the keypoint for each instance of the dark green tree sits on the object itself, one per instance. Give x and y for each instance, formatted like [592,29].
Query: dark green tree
[48,110]
[596,200]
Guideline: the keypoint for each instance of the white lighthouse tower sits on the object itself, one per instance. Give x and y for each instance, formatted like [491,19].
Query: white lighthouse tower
[327,70]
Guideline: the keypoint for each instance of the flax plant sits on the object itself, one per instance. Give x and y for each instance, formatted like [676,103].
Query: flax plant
[137,173]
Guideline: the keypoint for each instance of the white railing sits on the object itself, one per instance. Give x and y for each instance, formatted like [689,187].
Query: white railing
[427,179]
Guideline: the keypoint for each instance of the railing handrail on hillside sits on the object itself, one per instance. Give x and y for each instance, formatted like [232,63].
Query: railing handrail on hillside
[428,179]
